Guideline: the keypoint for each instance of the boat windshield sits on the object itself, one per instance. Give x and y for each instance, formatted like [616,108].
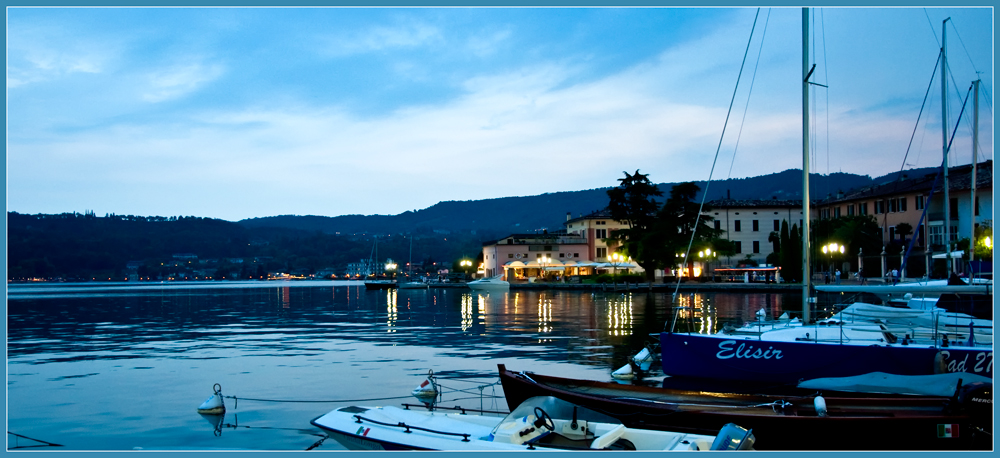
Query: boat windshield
[557,409]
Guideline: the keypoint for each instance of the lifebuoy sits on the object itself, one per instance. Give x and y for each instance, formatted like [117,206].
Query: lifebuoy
[518,255]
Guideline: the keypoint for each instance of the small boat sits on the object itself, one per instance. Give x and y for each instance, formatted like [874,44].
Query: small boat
[491,283]
[800,419]
[543,423]
[409,283]
[380,284]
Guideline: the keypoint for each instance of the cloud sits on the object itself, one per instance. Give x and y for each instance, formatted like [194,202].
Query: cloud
[37,54]
[380,38]
[179,80]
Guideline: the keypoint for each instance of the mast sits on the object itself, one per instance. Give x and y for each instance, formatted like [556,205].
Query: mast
[944,143]
[806,274]
[975,155]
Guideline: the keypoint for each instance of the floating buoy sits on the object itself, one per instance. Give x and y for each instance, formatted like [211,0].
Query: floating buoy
[820,405]
[644,359]
[213,405]
[428,389]
[624,373]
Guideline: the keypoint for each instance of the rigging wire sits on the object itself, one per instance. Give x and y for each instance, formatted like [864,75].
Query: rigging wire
[749,92]
[708,183]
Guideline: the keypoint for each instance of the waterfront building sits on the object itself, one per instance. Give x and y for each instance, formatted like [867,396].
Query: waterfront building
[909,198]
[748,223]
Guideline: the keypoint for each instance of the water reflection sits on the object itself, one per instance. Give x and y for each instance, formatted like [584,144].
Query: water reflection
[467,311]
[392,313]
[544,315]
[620,316]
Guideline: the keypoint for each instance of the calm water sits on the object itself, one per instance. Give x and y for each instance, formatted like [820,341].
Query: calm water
[116,367]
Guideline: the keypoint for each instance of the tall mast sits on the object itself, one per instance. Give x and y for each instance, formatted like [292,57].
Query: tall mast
[806,273]
[975,156]
[944,143]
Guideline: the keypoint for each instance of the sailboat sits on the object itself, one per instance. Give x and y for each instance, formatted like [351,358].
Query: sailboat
[409,283]
[807,349]
[376,283]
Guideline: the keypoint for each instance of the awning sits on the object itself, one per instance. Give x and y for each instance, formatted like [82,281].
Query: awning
[514,264]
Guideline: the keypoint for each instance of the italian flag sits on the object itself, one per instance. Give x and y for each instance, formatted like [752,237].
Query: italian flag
[947,430]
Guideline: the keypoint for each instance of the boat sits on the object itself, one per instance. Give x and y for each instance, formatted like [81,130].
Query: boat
[538,423]
[799,419]
[490,283]
[377,283]
[810,349]
[409,283]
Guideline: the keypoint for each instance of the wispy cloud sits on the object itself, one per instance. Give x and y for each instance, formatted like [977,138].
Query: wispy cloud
[179,80]
[348,42]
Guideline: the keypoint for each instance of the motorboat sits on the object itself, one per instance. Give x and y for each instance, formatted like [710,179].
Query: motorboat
[802,418]
[542,423]
[490,283]
[380,284]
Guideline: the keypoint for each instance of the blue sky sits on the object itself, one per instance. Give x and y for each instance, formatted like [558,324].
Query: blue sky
[237,113]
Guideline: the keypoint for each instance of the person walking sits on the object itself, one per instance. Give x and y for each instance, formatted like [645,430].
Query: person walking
[836,277]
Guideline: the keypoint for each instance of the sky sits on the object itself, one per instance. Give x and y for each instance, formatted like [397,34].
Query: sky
[238,113]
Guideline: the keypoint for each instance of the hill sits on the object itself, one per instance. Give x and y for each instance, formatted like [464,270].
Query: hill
[502,216]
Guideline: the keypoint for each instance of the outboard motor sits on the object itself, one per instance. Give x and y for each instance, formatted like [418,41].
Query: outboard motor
[976,399]
[733,437]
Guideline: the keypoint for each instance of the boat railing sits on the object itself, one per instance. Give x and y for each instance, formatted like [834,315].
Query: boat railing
[359,418]
[463,410]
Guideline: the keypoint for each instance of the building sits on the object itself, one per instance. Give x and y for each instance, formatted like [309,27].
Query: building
[749,223]
[919,202]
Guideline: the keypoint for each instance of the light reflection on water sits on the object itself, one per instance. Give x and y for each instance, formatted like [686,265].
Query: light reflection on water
[112,367]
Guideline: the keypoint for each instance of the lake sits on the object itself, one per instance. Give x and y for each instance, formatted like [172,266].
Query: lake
[116,366]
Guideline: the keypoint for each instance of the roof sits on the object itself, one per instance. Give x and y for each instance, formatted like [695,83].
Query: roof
[959,179]
[603,213]
[754,203]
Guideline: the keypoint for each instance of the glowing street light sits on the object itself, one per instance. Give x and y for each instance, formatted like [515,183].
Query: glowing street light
[465,264]
[832,249]
[390,267]
[543,261]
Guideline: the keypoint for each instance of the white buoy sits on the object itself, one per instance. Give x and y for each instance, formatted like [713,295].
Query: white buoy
[623,373]
[213,405]
[820,405]
[644,359]
[427,389]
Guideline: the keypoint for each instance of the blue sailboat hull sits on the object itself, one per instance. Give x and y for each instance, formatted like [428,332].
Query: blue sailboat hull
[748,359]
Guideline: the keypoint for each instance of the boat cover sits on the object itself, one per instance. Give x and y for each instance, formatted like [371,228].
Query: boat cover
[880,382]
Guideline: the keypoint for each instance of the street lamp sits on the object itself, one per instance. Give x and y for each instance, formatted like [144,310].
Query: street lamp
[465,264]
[707,254]
[542,261]
[832,249]
[616,259]
[680,270]
[390,267]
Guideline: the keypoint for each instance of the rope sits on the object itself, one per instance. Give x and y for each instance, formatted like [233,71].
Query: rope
[43,443]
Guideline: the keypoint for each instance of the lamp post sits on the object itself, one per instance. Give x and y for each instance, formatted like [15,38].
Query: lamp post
[465,264]
[832,249]
[542,261]
[390,267]
[680,267]
[707,253]
[616,259]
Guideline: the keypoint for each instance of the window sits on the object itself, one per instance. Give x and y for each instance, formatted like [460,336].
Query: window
[602,253]
[902,204]
[510,255]
[562,255]
[601,233]
[879,207]
[892,232]
[777,224]
[739,246]
[918,202]
[836,212]
[977,206]
[893,208]
[850,210]
[756,227]
[953,207]
[756,246]
[576,255]
[718,225]
[736,226]
[863,208]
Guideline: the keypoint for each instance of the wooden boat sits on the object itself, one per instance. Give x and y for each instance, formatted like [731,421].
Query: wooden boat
[803,420]
[542,422]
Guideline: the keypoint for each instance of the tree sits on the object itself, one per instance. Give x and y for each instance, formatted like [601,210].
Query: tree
[902,230]
[679,223]
[633,202]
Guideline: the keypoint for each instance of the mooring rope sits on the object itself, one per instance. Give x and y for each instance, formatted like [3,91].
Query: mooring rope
[41,442]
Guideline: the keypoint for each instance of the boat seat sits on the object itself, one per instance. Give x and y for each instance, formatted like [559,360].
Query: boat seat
[608,438]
